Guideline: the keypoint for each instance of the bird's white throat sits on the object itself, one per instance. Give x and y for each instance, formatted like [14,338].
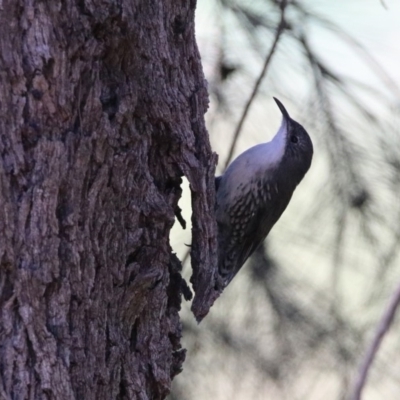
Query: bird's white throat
[275,149]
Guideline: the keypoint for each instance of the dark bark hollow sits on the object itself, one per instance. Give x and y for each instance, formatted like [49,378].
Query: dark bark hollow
[101,112]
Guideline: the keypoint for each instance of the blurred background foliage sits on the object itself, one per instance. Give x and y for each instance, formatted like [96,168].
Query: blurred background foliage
[296,321]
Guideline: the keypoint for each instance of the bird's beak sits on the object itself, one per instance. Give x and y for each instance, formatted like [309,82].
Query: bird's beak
[285,114]
[279,141]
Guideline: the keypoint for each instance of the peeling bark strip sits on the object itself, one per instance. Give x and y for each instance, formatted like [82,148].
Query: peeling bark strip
[101,111]
[204,243]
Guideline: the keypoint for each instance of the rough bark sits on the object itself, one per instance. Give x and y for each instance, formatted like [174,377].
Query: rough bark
[101,112]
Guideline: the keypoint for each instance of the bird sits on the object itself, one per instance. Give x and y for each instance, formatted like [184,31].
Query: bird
[255,190]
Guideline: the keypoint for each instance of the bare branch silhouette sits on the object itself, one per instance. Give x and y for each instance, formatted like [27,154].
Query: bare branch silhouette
[382,329]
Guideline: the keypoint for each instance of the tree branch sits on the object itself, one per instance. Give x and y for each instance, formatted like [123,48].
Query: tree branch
[382,329]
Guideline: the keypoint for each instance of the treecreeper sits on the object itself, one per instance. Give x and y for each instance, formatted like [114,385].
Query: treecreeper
[253,193]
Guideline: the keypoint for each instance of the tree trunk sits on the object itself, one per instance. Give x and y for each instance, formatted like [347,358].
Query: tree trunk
[101,113]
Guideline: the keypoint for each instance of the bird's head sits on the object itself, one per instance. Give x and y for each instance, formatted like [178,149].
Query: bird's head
[295,149]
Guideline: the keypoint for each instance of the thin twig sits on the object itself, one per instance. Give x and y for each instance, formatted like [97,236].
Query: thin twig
[280,28]
[383,328]
[384,5]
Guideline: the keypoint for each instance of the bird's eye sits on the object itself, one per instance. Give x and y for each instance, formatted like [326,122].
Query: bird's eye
[294,139]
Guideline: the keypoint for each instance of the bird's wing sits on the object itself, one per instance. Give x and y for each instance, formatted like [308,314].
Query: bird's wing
[234,253]
[254,235]
[237,242]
